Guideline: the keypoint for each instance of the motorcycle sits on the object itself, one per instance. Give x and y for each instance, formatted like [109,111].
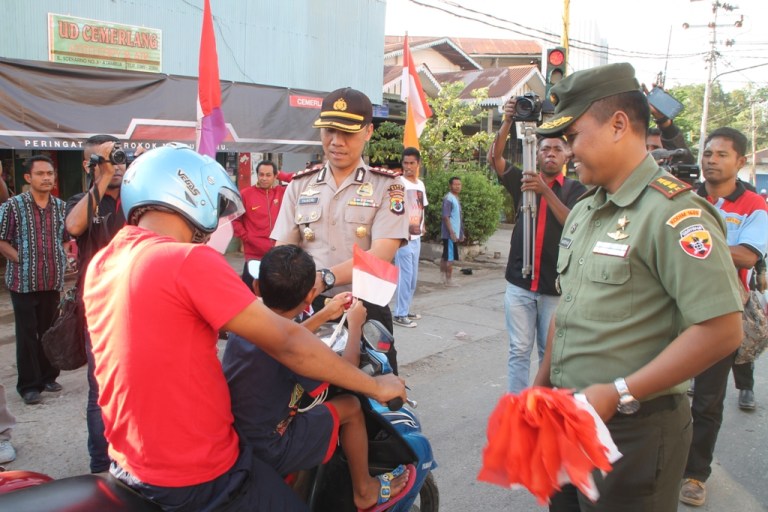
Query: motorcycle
[394,438]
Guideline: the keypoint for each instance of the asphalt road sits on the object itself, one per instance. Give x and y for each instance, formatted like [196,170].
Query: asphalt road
[455,364]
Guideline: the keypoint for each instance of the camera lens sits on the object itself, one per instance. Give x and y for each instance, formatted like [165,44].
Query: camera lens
[118,156]
[524,108]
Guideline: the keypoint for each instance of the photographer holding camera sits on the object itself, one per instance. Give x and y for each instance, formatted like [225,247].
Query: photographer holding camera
[529,302]
[104,162]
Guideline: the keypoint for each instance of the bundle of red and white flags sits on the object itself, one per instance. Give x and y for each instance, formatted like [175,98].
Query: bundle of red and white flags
[544,438]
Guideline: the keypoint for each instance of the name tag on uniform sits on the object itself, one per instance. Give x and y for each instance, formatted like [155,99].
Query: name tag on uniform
[309,200]
[566,243]
[611,249]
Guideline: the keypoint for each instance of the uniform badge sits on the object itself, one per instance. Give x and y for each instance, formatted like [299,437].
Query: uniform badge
[680,216]
[309,200]
[573,228]
[360,176]
[361,232]
[365,190]
[310,191]
[359,201]
[696,241]
[620,234]
[309,235]
[396,199]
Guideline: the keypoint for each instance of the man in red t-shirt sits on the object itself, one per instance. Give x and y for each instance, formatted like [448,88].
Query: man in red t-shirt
[155,299]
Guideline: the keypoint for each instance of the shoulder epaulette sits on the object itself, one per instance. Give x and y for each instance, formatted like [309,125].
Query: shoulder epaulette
[669,186]
[385,172]
[308,172]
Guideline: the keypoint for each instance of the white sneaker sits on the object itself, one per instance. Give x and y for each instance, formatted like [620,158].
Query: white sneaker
[7,453]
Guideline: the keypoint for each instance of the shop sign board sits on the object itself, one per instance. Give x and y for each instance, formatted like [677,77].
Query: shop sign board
[103,44]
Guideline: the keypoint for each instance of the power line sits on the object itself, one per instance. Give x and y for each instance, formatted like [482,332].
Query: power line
[549,37]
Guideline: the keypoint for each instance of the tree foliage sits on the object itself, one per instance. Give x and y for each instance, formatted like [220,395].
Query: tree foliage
[481,201]
[386,144]
[732,109]
[453,134]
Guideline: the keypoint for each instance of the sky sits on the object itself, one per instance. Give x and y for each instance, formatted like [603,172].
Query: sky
[640,32]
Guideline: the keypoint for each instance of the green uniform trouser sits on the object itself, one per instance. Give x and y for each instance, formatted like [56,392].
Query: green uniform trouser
[647,478]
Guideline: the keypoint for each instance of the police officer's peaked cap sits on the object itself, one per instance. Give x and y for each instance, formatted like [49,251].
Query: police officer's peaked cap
[345,109]
[574,94]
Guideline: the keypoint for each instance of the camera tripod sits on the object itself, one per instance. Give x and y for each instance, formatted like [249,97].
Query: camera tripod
[528,208]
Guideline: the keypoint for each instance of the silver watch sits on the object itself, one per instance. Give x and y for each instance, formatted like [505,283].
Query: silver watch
[628,404]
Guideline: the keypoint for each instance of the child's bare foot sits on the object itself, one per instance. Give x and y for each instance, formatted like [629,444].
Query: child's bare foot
[382,491]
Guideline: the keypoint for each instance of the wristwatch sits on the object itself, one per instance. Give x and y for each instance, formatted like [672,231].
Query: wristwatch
[329,280]
[628,404]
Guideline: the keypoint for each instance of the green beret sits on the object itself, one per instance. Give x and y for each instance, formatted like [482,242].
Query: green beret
[574,94]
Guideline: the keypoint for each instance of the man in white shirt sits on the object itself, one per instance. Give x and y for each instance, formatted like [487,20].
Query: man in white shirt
[407,257]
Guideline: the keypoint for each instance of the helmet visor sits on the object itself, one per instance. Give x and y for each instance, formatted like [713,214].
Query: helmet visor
[230,206]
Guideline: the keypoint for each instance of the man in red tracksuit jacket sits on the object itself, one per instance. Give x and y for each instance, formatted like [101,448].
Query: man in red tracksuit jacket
[262,204]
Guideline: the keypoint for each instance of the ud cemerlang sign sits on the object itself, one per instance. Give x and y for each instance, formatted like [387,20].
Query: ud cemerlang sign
[103,44]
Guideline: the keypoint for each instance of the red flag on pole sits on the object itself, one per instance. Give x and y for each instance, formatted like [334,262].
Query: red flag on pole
[211,129]
[417,108]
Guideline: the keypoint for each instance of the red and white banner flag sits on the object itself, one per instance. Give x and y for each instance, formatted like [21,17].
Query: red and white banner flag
[417,108]
[211,129]
[373,279]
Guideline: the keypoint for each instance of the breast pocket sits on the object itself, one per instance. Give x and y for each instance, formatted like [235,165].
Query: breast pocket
[307,217]
[610,292]
[358,222]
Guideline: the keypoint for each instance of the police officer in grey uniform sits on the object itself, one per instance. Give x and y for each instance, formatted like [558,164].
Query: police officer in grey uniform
[635,319]
[328,209]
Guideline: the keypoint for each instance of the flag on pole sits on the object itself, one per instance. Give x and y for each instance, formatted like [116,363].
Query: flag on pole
[210,120]
[373,279]
[417,108]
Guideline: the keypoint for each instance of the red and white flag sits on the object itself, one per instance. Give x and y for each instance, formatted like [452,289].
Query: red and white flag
[417,108]
[373,279]
[211,129]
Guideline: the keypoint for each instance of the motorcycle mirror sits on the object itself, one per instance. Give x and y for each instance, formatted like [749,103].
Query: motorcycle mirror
[377,336]
[325,333]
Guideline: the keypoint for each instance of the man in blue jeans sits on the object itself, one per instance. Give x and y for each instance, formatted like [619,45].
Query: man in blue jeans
[106,220]
[530,301]
[407,257]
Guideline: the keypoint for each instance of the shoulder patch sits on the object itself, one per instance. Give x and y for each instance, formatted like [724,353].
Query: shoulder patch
[308,172]
[385,172]
[669,186]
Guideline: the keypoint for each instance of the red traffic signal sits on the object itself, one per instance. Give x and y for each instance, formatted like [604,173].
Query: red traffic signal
[556,57]
[555,67]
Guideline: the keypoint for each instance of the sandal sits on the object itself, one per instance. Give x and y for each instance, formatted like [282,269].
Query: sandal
[384,501]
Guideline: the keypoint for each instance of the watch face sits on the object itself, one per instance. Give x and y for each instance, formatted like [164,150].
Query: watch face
[329,279]
[630,406]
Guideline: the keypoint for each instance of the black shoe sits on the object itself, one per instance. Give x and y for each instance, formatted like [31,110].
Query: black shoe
[53,387]
[746,399]
[31,397]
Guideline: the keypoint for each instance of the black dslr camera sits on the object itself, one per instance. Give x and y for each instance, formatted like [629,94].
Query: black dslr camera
[118,156]
[671,161]
[527,108]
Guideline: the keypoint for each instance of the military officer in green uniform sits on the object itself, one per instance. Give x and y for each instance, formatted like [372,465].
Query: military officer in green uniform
[329,208]
[636,319]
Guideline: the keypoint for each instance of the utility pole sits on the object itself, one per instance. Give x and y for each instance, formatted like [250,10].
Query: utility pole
[711,59]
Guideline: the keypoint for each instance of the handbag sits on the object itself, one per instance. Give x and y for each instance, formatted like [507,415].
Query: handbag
[755,326]
[64,342]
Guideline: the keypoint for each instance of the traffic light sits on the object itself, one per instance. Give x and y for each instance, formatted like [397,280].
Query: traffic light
[555,67]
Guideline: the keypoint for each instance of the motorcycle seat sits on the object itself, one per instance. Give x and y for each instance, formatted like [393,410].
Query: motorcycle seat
[84,493]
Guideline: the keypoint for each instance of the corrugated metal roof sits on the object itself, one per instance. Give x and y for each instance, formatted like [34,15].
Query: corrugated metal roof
[471,46]
[476,46]
[501,82]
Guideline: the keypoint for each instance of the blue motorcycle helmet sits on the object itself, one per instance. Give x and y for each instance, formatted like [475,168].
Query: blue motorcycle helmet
[176,178]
